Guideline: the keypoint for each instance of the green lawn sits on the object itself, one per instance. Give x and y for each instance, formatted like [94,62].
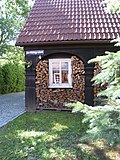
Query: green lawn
[48,136]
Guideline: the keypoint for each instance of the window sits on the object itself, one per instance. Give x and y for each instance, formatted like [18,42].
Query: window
[60,73]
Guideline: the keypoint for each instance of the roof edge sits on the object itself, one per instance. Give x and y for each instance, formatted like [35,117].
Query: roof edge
[22,44]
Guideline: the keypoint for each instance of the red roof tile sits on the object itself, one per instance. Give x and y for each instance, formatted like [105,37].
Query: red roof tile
[67,20]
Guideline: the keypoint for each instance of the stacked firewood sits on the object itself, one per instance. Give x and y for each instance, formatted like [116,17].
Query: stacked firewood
[99,87]
[56,98]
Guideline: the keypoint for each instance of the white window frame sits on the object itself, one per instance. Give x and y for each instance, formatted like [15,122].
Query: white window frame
[60,85]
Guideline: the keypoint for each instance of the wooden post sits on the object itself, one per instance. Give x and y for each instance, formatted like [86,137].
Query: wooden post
[30,90]
[89,89]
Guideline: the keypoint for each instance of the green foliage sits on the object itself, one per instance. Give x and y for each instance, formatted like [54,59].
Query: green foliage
[104,122]
[13,14]
[12,72]
[20,83]
[117,41]
[12,78]
[110,65]
[13,55]
[1,79]
[113,6]
[110,74]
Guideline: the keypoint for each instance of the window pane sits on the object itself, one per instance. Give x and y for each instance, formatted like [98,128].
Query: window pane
[60,73]
[64,76]
[55,65]
[56,77]
[64,65]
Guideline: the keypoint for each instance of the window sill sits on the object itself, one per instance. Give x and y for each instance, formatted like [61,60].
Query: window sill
[60,87]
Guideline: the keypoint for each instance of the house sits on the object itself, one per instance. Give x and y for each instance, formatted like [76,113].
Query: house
[59,37]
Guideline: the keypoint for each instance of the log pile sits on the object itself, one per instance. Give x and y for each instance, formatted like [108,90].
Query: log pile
[56,98]
[98,88]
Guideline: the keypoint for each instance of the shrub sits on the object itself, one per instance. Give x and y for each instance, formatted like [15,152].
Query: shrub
[104,122]
[12,78]
[1,79]
[20,85]
[9,78]
[12,70]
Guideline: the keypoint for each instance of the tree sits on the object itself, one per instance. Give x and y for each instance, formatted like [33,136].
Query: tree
[12,17]
[13,14]
[110,74]
[104,121]
[113,6]
[110,64]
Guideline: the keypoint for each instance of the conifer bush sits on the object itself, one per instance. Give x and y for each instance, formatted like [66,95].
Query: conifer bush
[1,80]
[104,121]
[12,73]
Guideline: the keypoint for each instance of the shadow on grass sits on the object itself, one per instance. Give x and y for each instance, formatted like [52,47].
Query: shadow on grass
[47,136]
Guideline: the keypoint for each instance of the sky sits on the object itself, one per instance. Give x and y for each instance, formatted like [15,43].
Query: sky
[31,2]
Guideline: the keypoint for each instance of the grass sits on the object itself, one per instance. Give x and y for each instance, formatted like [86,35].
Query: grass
[49,136]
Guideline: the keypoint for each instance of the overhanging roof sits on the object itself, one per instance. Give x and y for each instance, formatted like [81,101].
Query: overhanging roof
[54,21]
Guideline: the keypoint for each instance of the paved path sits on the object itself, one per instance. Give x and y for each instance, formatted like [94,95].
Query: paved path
[11,106]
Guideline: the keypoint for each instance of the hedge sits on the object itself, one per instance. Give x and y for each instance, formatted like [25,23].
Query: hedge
[12,78]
